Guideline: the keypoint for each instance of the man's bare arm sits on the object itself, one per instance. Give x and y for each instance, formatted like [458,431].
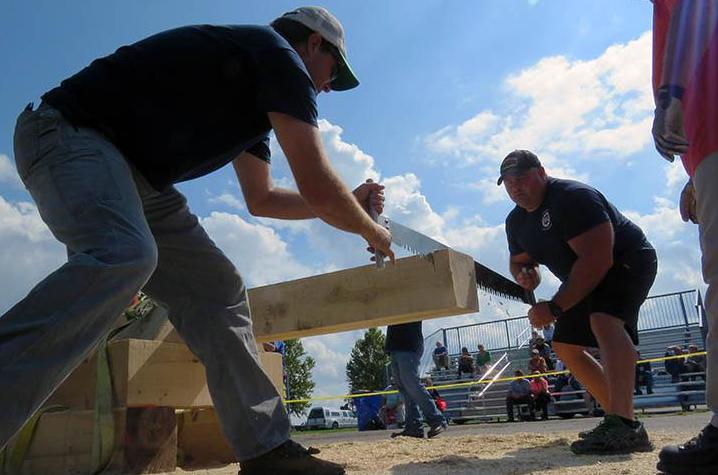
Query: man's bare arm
[260,194]
[594,251]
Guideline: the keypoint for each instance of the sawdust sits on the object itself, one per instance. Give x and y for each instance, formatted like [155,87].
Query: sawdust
[485,454]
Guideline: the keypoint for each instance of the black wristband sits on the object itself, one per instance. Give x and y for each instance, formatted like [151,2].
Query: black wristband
[555,310]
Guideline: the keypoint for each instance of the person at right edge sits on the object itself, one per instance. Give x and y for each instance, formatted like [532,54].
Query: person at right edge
[685,85]
[606,267]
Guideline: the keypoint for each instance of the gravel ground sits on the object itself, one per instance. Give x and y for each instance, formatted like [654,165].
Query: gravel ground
[510,449]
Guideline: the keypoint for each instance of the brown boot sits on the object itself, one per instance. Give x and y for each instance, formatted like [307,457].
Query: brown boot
[290,458]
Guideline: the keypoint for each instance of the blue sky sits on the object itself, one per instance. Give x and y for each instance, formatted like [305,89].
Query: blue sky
[447,89]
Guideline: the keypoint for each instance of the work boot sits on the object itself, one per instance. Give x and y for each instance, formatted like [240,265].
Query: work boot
[698,456]
[436,430]
[614,436]
[419,434]
[290,458]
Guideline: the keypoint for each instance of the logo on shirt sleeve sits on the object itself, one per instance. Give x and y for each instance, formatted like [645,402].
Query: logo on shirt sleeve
[546,221]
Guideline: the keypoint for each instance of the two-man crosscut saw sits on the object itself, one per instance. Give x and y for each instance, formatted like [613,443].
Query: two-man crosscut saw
[486,279]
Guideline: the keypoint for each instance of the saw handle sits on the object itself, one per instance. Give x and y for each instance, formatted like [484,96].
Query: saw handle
[378,255]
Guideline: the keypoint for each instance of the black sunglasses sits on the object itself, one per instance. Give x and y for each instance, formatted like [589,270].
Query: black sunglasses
[338,62]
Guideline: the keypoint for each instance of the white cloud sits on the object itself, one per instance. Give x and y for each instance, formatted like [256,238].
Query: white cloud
[228,199]
[257,250]
[8,174]
[676,244]
[561,106]
[29,251]
[675,178]
[352,164]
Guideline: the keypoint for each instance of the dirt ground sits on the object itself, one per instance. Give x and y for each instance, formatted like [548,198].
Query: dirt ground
[485,454]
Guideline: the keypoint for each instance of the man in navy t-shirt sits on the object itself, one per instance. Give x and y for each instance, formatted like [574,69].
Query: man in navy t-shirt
[606,267]
[100,157]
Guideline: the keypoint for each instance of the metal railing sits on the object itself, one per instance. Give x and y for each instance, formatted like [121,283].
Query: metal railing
[658,311]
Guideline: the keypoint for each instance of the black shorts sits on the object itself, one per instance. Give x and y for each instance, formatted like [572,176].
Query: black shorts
[620,294]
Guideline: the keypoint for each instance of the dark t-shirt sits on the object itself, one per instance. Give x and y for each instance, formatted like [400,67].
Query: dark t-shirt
[187,101]
[569,209]
[404,337]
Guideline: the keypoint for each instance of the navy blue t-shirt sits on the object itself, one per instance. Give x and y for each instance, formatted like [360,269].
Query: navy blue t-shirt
[404,337]
[569,209]
[187,101]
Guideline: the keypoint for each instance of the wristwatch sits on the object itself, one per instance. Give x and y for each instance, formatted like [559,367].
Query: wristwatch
[555,310]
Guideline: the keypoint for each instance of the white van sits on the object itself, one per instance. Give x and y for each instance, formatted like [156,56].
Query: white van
[330,418]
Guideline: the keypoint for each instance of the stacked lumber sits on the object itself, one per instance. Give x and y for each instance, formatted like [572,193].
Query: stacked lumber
[161,406]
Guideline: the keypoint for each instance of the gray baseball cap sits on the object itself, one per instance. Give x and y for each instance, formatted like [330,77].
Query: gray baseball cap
[516,163]
[323,22]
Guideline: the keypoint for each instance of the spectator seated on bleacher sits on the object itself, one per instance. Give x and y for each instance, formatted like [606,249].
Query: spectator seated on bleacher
[466,362]
[675,366]
[483,359]
[540,393]
[537,362]
[644,377]
[695,363]
[544,351]
[519,393]
[441,356]
[534,337]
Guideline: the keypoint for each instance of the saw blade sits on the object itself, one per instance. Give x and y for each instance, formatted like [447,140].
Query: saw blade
[486,279]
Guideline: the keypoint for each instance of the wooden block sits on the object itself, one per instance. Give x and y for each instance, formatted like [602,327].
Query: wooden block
[272,365]
[151,373]
[144,373]
[200,441]
[416,288]
[145,442]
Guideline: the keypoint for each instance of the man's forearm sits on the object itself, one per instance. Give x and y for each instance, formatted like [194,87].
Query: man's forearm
[585,276]
[281,203]
[337,206]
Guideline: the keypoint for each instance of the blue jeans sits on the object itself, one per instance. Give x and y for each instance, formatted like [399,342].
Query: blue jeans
[123,236]
[405,369]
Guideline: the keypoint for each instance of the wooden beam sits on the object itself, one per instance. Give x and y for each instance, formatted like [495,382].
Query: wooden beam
[416,288]
[150,373]
[200,441]
[145,442]
[144,373]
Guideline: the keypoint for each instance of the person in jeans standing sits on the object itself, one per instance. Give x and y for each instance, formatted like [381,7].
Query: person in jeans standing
[405,345]
[100,157]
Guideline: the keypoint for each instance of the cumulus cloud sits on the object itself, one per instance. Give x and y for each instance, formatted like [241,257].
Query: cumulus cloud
[227,199]
[257,250]
[560,106]
[676,244]
[8,174]
[29,251]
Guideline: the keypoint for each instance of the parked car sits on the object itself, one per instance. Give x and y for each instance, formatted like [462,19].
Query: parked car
[330,418]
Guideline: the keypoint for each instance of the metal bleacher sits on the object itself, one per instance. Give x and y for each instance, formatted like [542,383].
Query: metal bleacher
[665,320]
